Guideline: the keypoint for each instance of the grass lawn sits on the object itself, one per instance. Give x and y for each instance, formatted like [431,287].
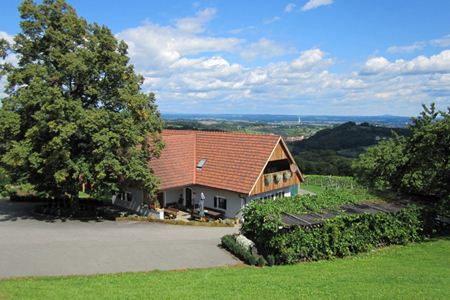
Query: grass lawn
[312,188]
[408,272]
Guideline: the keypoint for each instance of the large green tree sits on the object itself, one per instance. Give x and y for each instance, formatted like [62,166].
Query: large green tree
[74,110]
[417,164]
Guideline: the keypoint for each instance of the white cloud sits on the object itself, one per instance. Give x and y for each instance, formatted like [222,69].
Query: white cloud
[311,58]
[264,48]
[406,48]
[9,38]
[441,42]
[289,7]
[439,63]
[196,72]
[272,20]
[196,24]
[312,4]
[154,46]
[11,59]
[191,70]
[242,29]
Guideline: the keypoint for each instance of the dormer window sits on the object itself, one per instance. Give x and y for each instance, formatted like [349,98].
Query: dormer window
[200,164]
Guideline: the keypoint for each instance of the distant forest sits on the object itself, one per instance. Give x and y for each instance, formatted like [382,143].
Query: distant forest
[331,151]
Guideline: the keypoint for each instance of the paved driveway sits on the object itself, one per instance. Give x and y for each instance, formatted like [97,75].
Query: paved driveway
[33,247]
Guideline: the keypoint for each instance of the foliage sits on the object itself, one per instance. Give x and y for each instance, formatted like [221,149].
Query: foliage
[229,242]
[335,182]
[416,164]
[416,271]
[332,150]
[263,217]
[346,235]
[326,162]
[74,111]
[348,135]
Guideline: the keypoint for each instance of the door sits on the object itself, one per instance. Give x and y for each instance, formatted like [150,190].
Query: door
[188,197]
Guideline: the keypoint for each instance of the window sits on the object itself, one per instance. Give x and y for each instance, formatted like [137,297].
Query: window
[129,196]
[120,196]
[200,164]
[220,202]
[277,166]
[279,194]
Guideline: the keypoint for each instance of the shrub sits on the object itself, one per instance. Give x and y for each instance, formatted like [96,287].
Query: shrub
[346,235]
[270,260]
[261,262]
[263,217]
[229,243]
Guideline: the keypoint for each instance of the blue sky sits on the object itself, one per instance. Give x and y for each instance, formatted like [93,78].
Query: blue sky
[282,57]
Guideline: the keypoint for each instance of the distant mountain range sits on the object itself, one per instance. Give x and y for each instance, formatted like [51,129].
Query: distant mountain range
[385,120]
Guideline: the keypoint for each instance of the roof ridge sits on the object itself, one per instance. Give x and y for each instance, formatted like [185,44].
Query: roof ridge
[192,131]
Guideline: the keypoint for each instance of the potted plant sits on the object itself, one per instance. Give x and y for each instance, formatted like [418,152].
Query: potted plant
[267,179]
[287,175]
[277,177]
[157,205]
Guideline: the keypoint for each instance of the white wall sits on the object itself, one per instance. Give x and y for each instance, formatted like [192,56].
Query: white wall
[135,204]
[172,195]
[233,200]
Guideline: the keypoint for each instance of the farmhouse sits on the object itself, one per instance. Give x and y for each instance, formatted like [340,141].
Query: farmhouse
[229,169]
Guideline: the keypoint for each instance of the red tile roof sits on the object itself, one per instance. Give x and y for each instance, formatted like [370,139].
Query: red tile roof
[234,161]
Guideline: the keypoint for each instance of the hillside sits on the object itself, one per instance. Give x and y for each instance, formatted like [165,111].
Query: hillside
[348,135]
[330,151]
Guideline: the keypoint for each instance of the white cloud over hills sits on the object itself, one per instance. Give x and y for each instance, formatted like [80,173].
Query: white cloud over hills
[192,70]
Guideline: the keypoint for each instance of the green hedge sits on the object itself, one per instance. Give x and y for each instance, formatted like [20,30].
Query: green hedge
[229,243]
[263,217]
[346,235]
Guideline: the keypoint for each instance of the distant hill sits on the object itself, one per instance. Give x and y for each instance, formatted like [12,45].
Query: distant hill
[331,151]
[348,135]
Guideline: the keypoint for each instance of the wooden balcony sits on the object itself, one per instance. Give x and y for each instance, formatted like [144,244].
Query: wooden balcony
[268,182]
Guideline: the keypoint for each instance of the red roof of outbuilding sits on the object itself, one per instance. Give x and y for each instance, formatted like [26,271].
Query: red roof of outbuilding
[234,161]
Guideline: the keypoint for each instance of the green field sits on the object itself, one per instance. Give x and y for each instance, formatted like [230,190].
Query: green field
[415,271]
[312,188]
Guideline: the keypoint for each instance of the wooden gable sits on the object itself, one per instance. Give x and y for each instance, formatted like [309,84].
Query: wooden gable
[280,152]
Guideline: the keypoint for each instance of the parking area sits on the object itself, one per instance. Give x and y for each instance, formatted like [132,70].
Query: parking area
[29,246]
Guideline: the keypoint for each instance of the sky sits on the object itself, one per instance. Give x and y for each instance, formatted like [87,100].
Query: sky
[309,57]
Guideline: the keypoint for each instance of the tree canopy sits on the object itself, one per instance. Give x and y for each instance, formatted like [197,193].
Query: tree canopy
[74,111]
[416,164]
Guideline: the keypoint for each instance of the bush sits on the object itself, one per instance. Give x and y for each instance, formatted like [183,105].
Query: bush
[229,243]
[263,217]
[270,260]
[261,261]
[346,235]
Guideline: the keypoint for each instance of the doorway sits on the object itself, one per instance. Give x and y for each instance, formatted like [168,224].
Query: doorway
[188,197]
